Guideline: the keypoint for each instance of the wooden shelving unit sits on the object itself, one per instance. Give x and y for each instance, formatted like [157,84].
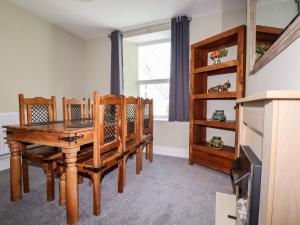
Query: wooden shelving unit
[228,95]
[200,152]
[267,34]
[228,125]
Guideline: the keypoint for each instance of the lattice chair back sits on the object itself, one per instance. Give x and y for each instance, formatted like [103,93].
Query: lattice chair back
[132,118]
[90,108]
[109,135]
[147,116]
[36,110]
[74,109]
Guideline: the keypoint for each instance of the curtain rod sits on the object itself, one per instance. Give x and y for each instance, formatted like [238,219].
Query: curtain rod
[149,27]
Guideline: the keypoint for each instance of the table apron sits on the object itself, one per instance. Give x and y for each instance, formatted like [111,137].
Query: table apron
[51,139]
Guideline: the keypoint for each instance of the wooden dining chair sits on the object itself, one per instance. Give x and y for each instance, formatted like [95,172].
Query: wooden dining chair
[35,111]
[132,130]
[90,109]
[146,131]
[108,147]
[74,109]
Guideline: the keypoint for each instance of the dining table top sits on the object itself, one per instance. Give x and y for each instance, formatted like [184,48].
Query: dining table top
[62,127]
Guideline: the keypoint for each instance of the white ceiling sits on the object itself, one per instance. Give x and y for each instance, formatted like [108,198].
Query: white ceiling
[94,18]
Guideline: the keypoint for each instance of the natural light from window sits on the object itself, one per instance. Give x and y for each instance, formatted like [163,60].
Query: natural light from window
[154,75]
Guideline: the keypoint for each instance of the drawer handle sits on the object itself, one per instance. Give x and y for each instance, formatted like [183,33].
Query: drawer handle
[232,217]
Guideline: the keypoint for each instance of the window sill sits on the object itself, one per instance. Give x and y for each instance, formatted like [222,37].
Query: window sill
[161,119]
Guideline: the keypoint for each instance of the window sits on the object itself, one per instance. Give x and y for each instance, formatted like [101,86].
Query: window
[154,75]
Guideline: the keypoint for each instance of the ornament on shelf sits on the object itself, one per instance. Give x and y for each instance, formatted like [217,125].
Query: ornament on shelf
[218,115]
[261,48]
[218,54]
[221,88]
[216,142]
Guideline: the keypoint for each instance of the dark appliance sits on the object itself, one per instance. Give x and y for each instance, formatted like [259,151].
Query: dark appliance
[246,174]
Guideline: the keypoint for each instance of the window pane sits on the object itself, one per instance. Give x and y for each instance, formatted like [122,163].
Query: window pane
[154,61]
[160,95]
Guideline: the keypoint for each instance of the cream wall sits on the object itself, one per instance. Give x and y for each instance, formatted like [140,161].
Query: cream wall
[276,13]
[37,59]
[282,73]
[97,57]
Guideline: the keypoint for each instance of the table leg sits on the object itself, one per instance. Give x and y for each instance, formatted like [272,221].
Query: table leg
[71,184]
[15,171]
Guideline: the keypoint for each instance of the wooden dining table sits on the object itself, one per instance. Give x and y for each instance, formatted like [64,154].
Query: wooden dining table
[67,135]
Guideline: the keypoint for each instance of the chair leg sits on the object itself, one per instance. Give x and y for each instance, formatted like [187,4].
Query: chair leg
[138,162]
[80,179]
[50,182]
[25,170]
[121,175]
[124,169]
[62,190]
[141,158]
[151,151]
[147,151]
[96,179]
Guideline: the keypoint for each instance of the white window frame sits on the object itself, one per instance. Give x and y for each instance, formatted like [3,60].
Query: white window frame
[155,81]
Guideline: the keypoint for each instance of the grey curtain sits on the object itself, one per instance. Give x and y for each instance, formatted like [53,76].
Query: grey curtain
[179,77]
[116,81]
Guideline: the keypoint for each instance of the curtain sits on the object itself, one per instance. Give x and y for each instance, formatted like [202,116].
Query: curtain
[179,77]
[116,81]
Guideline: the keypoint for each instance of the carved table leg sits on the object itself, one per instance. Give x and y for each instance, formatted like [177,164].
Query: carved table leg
[71,184]
[15,171]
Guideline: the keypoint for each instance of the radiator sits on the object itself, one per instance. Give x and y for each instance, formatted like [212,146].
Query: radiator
[6,118]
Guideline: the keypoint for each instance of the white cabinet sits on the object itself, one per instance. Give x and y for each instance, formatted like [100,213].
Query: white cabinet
[270,124]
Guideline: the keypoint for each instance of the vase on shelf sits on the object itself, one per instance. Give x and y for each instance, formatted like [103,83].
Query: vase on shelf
[218,54]
[218,115]
[216,142]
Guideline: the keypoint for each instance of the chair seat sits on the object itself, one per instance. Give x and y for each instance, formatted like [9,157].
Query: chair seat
[131,145]
[146,138]
[38,154]
[108,160]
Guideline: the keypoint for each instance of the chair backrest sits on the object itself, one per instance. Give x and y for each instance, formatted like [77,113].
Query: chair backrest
[36,110]
[132,118]
[74,109]
[90,109]
[146,114]
[109,132]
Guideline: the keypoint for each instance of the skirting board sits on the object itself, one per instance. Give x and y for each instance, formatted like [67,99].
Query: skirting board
[4,162]
[171,151]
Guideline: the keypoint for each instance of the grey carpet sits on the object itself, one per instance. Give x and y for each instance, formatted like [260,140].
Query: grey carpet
[168,192]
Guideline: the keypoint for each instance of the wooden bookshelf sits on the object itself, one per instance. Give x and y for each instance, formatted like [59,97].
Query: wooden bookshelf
[221,66]
[229,124]
[200,152]
[227,95]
